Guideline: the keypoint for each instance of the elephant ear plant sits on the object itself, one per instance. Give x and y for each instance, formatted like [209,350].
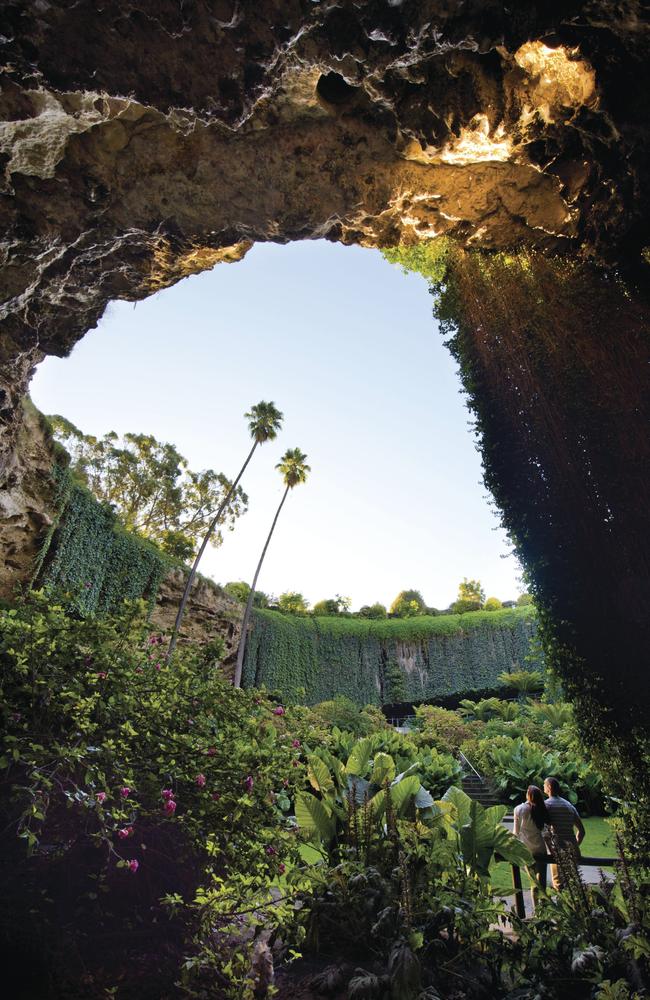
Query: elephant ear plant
[348,802]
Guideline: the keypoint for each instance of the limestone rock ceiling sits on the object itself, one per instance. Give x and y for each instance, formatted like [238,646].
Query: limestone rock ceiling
[141,142]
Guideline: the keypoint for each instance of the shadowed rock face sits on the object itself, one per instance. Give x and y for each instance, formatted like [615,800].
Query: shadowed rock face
[143,142]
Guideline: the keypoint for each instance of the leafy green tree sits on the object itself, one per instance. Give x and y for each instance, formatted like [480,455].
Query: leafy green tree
[294,470]
[239,591]
[524,599]
[332,606]
[150,486]
[264,422]
[408,604]
[372,611]
[461,607]
[293,603]
[492,604]
[471,590]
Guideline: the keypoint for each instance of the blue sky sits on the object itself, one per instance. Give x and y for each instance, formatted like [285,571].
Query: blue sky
[345,344]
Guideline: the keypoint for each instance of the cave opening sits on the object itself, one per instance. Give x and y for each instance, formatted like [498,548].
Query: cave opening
[346,345]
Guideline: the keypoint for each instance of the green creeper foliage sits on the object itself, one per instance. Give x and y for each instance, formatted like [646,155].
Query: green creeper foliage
[385,661]
[92,557]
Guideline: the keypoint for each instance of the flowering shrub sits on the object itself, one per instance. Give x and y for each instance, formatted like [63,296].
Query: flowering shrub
[114,766]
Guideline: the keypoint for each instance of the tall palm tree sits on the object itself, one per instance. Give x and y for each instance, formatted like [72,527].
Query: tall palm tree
[264,422]
[294,470]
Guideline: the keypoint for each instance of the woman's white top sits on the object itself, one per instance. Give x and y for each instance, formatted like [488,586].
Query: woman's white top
[527,830]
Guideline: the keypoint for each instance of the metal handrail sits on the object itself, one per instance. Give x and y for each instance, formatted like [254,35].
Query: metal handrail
[468,763]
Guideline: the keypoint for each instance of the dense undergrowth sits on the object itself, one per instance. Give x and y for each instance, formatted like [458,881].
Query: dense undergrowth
[391,660]
[166,835]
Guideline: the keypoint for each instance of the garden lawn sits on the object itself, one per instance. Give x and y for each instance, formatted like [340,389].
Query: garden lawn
[598,843]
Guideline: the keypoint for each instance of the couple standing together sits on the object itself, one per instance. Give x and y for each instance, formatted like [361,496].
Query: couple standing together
[534,815]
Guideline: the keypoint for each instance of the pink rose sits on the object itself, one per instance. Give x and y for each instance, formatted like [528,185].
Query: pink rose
[212,752]
[200,780]
[102,675]
[133,865]
[248,783]
[282,868]
[295,743]
[157,666]
[279,710]
[125,792]
[101,797]
[126,831]
[169,807]
[167,793]
[216,796]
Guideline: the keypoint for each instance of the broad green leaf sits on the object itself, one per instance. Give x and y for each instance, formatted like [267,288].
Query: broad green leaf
[402,793]
[319,775]
[311,855]
[383,769]
[377,805]
[423,798]
[313,817]
[359,757]
[511,848]
[360,786]
[461,801]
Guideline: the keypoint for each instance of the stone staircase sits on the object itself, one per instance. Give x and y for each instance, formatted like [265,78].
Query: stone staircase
[480,789]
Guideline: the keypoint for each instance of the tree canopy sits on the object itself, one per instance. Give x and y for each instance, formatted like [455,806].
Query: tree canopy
[150,486]
[407,604]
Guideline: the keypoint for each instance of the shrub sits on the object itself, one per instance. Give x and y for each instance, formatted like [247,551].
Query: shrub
[130,782]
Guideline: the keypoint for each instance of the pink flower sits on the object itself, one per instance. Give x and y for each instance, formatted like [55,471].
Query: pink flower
[153,640]
[295,763]
[279,710]
[102,675]
[200,780]
[169,807]
[295,743]
[101,797]
[133,865]
[167,794]
[126,831]
[139,670]
[212,752]
[248,783]
[216,796]
[125,792]
[285,782]
[270,850]
[282,868]
[157,666]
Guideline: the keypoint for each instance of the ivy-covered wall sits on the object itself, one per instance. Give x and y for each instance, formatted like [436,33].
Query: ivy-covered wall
[88,554]
[382,662]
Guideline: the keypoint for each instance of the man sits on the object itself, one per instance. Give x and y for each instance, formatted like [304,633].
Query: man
[564,819]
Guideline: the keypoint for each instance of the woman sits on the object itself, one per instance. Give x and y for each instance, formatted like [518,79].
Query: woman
[530,819]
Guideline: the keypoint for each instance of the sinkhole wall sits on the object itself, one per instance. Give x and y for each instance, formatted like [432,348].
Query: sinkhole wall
[393,660]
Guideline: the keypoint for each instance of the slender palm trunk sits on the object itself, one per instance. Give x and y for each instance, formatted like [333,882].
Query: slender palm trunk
[249,603]
[190,580]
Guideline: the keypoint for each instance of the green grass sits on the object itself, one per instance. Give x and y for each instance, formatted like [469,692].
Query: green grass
[598,843]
